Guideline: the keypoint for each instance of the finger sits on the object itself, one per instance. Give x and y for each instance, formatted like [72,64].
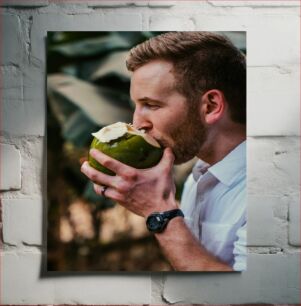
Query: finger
[111,163]
[109,193]
[83,159]
[97,176]
[99,189]
[167,159]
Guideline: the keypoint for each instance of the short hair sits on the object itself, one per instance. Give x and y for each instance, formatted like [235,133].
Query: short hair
[201,61]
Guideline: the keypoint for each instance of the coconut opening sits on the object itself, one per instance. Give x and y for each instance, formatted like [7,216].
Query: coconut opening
[111,132]
[119,129]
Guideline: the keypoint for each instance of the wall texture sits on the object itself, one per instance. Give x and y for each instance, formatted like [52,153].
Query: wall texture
[273,45]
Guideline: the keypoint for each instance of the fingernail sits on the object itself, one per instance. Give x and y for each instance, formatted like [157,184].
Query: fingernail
[84,166]
[92,152]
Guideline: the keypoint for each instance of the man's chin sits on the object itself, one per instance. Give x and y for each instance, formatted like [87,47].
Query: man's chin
[181,156]
[182,159]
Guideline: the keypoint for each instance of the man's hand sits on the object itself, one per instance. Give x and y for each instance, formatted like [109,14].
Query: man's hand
[146,191]
[141,191]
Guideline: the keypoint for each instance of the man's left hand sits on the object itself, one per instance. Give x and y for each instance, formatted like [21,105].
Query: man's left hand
[142,191]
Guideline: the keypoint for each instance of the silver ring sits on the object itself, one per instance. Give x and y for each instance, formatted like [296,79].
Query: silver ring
[103,190]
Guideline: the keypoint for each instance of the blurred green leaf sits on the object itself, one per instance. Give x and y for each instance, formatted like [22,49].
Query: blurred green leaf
[102,106]
[101,202]
[90,46]
[113,64]
[64,37]
[238,38]
[83,50]
[78,129]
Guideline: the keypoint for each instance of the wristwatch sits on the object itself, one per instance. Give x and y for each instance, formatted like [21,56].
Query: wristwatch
[157,221]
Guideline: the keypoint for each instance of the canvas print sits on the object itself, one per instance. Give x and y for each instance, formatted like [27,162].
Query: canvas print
[146,151]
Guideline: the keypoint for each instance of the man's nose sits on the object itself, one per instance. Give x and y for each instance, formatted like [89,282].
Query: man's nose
[141,122]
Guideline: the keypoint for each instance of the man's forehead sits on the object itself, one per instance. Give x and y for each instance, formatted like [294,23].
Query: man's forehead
[154,68]
[155,76]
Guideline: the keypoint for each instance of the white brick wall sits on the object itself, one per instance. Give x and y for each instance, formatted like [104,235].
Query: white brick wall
[294,221]
[273,37]
[261,220]
[22,284]
[24,3]
[10,167]
[13,47]
[23,221]
[161,22]
[269,279]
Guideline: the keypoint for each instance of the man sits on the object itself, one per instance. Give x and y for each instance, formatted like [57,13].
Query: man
[189,89]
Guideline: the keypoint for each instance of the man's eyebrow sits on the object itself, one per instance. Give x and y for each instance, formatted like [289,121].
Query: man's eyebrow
[148,99]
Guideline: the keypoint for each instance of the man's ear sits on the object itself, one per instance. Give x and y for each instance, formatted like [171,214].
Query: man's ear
[213,106]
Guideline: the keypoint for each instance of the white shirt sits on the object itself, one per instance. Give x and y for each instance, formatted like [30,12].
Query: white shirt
[214,205]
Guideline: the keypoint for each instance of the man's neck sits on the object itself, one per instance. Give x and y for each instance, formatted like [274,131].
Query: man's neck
[219,144]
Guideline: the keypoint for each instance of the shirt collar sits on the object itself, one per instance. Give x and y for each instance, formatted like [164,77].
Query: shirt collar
[199,169]
[229,170]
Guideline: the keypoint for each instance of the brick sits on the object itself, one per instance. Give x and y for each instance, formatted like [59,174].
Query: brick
[294,221]
[286,160]
[33,166]
[23,86]
[236,3]
[12,102]
[21,280]
[11,83]
[279,85]
[281,208]
[264,34]
[108,4]
[24,119]
[261,220]
[12,44]
[24,3]
[22,221]
[23,110]
[22,284]
[88,22]
[293,275]
[132,289]
[112,3]
[34,93]
[170,23]
[142,3]
[10,167]
[268,172]
[264,29]
[160,3]
[268,279]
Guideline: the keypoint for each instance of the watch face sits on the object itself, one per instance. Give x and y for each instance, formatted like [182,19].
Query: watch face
[157,221]
[154,223]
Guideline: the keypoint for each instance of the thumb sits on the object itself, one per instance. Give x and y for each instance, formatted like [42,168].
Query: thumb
[167,159]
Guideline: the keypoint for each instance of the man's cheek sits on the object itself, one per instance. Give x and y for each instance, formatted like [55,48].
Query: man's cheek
[165,142]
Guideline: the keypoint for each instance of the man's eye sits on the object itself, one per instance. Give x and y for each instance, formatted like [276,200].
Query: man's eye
[151,106]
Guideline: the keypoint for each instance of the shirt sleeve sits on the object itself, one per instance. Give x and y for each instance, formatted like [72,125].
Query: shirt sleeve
[240,249]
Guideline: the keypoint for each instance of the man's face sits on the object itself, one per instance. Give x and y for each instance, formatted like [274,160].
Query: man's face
[164,113]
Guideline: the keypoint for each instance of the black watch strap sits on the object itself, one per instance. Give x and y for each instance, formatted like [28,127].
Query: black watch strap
[157,221]
[173,213]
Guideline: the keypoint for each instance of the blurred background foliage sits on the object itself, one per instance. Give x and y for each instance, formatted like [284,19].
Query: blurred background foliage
[88,88]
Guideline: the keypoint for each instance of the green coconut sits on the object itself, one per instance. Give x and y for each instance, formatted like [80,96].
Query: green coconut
[127,144]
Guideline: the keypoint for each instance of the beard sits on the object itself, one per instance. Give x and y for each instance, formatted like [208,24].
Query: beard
[187,138]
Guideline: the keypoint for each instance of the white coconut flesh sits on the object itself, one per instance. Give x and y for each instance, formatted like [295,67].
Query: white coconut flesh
[119,129]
